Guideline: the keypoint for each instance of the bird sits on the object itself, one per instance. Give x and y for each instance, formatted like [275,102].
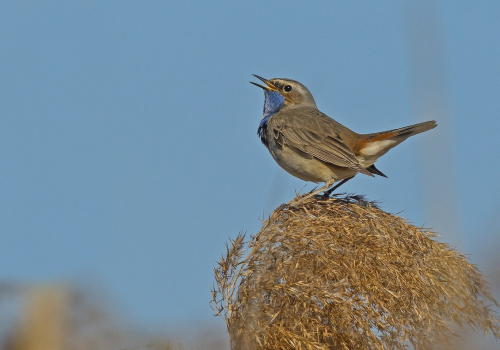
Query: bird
[310,145]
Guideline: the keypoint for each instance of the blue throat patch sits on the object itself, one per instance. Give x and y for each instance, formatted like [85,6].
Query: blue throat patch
[272,104]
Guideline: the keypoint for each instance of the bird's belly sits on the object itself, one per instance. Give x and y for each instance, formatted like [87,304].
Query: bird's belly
[305,167]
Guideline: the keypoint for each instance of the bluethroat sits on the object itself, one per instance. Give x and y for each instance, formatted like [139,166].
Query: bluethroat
[312,146]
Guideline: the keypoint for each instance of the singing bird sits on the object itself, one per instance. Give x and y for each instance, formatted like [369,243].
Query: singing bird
[312,146]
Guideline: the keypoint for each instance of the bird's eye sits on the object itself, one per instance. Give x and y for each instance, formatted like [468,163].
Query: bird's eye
[288,88]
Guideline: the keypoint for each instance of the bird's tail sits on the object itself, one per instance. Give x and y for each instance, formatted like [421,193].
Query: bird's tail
[379,143]
[404,132]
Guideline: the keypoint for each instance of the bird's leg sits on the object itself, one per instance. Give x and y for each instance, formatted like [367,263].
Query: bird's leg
[313,193]
[329,192]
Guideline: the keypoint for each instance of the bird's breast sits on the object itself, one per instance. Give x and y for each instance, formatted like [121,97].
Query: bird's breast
[262,130]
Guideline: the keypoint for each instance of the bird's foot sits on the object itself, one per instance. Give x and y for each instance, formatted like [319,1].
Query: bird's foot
[324,196]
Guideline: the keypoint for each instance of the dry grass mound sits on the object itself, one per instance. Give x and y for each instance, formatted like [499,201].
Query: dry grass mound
[343,274]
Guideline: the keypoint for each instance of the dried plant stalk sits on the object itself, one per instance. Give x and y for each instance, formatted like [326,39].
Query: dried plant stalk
[343,274]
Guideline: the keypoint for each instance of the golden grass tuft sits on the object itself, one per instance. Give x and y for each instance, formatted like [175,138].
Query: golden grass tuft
[343,274]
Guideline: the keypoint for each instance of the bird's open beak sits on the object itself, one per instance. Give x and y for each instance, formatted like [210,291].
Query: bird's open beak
[268,87]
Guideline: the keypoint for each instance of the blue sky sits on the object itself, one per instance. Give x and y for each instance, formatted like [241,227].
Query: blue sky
[128,147]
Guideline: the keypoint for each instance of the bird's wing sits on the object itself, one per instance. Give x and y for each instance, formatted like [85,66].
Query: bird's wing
[313,133]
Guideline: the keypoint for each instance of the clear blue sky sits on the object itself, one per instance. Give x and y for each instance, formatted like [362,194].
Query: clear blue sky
[128,147]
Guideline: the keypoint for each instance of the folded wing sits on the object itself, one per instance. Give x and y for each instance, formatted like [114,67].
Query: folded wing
[314,133]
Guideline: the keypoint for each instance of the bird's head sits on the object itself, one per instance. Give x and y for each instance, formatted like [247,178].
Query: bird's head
[281,92]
